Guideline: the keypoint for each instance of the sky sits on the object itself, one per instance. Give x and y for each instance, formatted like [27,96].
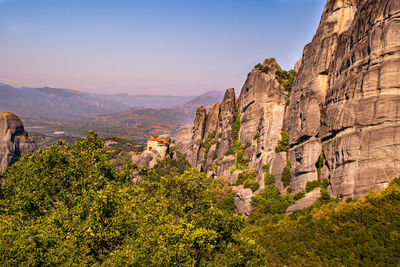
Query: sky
[154,47]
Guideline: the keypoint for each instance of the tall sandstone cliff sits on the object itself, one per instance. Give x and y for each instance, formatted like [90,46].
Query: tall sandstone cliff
[344,106]
[14,141]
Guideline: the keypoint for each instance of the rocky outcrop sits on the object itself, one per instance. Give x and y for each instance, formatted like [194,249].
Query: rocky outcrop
[345,99]
[14,141]
[305,202]
[360,115]
[227,117]
[243,201]
[157,149]
[302,119]
[343,109]
[261,107]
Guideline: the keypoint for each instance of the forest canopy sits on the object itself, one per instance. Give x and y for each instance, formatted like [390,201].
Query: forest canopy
[69,205]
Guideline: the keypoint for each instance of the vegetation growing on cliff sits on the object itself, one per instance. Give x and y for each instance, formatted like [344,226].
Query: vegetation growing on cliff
[260,66]
[286,78]
[283,144]
[286,176]
[236,127]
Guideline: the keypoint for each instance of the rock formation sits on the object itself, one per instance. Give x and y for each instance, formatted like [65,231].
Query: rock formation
[157,149]
[305,202]
[14,141]
[342,111]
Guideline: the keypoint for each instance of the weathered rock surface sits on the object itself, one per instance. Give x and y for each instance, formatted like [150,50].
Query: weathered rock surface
[227,115]
[183,140]
[157,149]
[302,119]
[360,119]
[14,141]
[344,105]
[243,201]
[305,202]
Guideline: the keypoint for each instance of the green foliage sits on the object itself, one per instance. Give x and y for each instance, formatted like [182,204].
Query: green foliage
[262,68]
[334,233]
[71,206]
[211,135]
[120,149]
[312,185]
[320,165]
[247,174]
[250,183]
[299,195]
[258,66]
[286,78]
[269,178]
[283,144]
[241,162]
[236,127]
[286,176]
[256,136]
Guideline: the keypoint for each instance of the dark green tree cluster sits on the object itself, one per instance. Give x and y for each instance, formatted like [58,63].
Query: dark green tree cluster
[260,66]
[286,176]
[286,78]
[71,206]
[365,232]
[283,144]
[236,128]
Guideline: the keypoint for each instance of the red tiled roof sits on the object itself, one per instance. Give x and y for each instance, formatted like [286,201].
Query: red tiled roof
[158,140]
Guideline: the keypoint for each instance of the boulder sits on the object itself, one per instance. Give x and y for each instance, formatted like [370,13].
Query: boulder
[305,202]
[14,140]
[243,201]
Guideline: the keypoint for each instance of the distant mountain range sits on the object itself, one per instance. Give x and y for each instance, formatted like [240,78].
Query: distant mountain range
[64,103]
[51,110]
[177,114]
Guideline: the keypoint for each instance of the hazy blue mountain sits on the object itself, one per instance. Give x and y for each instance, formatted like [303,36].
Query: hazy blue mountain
[148,101]
[63,103]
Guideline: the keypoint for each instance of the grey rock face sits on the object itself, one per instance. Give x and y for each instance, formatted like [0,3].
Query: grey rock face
[305,202]
[157,149]
[225,165]
[360,120]
[343,105]
[148,159]
[260,92]
[183,140]
[197,136]
[302,119]
[228,111]
[243,201]
[14,141]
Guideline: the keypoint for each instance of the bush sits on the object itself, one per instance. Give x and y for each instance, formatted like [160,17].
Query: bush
[286,176]
[256,136]
[286,78]
[211,135]
[299,195]
[236,127]
[312,185]
[253,185]
[245,175]
[283,144]
[262,68]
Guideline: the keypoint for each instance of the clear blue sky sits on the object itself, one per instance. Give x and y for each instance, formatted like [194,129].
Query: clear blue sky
[180,47]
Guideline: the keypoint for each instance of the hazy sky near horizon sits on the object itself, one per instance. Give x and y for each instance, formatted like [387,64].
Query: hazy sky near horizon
[149,47]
